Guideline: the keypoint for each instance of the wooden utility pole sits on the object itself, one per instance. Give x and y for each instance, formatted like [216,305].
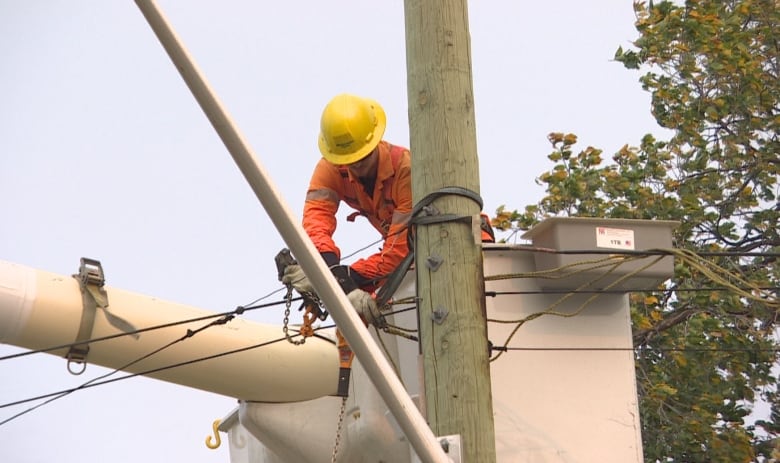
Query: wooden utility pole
[450,281]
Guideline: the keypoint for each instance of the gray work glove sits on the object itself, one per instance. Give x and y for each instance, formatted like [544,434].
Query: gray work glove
[293,275]
[365,305]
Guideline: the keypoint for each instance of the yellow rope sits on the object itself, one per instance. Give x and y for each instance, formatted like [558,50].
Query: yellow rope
[723,277]
[563,271]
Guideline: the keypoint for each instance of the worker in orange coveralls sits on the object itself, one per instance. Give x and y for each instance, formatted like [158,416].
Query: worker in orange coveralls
[371,176]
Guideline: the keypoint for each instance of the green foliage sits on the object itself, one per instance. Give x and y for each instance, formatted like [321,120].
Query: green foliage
[712,68]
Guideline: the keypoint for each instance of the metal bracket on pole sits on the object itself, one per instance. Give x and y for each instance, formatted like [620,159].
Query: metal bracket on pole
[439,314]
[91,280]
[452,448]
[433,262]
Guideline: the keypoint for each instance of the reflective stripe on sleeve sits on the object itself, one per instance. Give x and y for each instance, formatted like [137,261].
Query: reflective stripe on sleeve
[401,217]
[322,194]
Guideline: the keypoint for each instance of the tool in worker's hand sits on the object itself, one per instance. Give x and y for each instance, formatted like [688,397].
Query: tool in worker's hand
[311,303]
[283,259]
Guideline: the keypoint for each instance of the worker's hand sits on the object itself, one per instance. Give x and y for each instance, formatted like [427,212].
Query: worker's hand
[293,275]
[343,277]
[365,305]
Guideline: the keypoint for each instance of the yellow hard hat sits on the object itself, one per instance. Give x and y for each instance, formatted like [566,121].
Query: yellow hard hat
[350,128]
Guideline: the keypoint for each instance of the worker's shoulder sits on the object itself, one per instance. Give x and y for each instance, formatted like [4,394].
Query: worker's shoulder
[326,175]
[399,155]
[323,166]
[394,147]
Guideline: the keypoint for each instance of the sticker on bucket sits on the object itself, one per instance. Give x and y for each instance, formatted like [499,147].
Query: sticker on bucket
[614,238]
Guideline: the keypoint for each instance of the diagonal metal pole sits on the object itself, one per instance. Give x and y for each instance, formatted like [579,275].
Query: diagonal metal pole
[379,370]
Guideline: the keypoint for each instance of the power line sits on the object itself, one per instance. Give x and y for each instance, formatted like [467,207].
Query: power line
[622,291]
[227,316]
[261,298]
[238,311]
[646,252]
[224,318]
[641,349]
[95,381]
[354,253]
[188,334]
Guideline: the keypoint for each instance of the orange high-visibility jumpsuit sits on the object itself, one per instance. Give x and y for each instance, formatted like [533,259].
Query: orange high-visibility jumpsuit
[387,208]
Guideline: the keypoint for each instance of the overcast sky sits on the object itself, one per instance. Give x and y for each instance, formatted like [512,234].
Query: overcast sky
[104,153]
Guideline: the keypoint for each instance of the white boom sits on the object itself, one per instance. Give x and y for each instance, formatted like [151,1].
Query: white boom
[39,310]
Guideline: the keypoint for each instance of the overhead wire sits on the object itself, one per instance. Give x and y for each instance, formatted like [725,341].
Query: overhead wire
[727,280]
[358,251]
[644,349]
[714,272]
[224,318]
[721,276]
[567,270]
[620,291]
[550,310]
[188,334]
[238,311]
[646,252]
[96,381]
[262,298]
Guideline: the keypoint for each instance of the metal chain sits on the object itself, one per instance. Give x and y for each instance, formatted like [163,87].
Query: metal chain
[338,429]
[285,328]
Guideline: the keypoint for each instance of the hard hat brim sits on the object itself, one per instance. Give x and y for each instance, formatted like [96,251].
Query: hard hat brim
[365,150]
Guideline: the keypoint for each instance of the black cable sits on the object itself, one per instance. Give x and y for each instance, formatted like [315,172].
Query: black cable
[238,311]
[650,252]
[92,383]
[188,334]
[324,338]
[371,244]
[225,318]
[641,348]
[620,291]
[261,298]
